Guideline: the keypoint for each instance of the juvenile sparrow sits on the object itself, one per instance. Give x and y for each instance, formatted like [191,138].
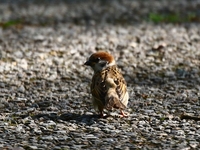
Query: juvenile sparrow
[108,86]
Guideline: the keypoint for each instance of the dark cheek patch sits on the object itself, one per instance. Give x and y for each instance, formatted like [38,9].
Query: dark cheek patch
[102,65]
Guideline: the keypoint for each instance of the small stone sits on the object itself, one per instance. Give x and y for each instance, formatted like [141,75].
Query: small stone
[48,138]
[90,136]
[2,85]
[56,148]
[21,89]
[19,128]
[18,54]
[61,132]
[33,147]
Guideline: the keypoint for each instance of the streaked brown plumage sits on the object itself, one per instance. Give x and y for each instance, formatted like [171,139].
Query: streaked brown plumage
[108,86]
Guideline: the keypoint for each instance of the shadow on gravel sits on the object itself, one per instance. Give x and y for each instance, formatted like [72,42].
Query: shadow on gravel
[85,118]
[77,117]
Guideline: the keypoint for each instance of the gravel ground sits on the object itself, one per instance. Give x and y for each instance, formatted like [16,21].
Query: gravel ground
[45,101]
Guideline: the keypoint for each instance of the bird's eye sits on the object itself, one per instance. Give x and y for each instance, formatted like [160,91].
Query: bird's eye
[97,59]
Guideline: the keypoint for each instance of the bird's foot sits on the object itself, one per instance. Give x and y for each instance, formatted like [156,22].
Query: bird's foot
[123,114]
[102,115]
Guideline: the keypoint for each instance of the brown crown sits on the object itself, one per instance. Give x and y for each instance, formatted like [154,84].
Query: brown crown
[101,55]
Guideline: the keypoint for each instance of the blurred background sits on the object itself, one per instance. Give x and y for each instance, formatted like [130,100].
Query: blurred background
[94,12]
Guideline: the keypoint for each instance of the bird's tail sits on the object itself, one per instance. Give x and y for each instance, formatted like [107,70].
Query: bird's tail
[113,102]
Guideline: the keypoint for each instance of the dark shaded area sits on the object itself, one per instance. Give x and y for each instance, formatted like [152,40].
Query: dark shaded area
[188,117]
[76,118]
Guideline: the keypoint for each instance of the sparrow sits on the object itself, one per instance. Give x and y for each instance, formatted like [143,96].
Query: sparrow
[108,87]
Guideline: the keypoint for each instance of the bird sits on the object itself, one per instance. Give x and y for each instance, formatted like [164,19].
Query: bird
[108,86]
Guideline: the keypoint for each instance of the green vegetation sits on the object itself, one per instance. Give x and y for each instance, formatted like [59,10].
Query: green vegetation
[10,23]
[172,17]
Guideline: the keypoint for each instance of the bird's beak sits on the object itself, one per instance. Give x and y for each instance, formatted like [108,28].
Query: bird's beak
[87,63]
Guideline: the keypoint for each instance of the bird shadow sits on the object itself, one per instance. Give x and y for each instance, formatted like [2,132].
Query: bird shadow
[88,119]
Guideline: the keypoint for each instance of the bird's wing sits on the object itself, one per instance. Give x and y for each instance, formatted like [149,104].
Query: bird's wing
[117,90]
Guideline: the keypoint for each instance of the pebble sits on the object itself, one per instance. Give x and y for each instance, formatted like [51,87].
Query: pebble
[2,85]
[48,138]
[90,137]
[33,147]
[18,54]
[21,89]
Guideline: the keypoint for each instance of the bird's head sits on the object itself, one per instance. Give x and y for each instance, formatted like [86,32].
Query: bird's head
[100,60]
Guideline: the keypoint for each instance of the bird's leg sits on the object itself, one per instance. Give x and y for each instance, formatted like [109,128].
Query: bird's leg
[123,114]
[101,112]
